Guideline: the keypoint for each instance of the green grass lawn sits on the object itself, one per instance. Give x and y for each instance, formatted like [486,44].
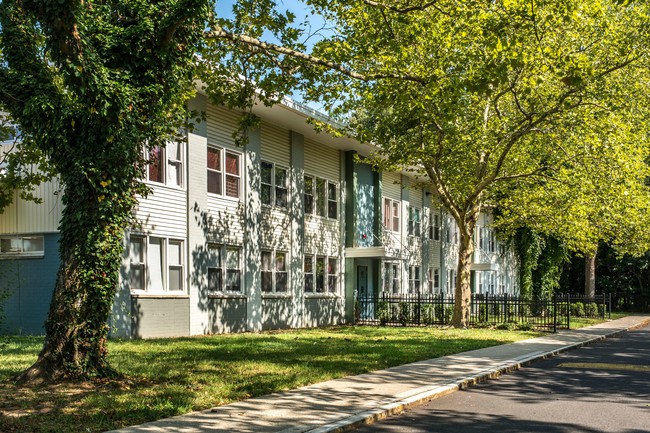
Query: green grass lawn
[167,377]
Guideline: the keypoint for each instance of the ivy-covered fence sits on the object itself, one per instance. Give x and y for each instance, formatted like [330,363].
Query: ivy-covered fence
[416,309]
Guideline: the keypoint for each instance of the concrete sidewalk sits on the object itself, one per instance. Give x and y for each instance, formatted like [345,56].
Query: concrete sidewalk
[340,405]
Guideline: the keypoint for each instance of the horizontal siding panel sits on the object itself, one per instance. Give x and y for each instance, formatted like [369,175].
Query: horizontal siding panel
[415,197]
[322,237]
[163,212]
[226,221]
[24,216]
[391,184]
[275,145]
[275,230]
[221,125]
[322,161]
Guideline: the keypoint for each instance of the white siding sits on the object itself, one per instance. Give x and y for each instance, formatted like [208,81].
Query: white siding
[391,184]
[226,221]
[221,125]
[275,230]
[415,197]
[28,217]
[163,213]
[322,161]
[322,236]
[275,145]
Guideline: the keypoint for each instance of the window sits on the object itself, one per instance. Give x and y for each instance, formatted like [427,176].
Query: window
[434,280]
[165,164]
[224,257]
[414,279]
[309,195]
[321,197]
[274,272]
[308,270]
[451,281]
[224,168]
[22,246]
[320,274]
[452,231]
[391,214]
[156,264]
[274,185]
[332,200]
[434,227]
[13,134]
[415,225]
[332,274]
[392,278]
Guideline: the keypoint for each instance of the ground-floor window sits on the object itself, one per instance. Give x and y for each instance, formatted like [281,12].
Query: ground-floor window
[156,264]
[392,277]
[434,280]
[414,279]
[274,272]
[21,245]
[224,268]
[321,274]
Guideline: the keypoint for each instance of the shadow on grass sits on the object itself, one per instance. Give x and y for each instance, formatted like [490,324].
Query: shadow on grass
[173,376]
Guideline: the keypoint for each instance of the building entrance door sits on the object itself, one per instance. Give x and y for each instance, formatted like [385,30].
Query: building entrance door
[365,295]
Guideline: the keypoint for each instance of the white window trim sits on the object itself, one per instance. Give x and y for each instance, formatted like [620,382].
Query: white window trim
[390,217]
[274,274]
[326,275]
[412,224]
[15,253]
[167,160]
[316,196]
[164,291]
[274,186]
[223,174]
[223,269]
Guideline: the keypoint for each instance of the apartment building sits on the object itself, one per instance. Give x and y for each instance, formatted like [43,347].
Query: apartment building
[286,231]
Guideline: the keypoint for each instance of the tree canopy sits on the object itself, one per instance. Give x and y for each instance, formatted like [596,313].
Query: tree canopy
[520,104]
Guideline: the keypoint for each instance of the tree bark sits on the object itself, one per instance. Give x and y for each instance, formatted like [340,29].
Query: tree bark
[463,289]
[90,247]
[590,275]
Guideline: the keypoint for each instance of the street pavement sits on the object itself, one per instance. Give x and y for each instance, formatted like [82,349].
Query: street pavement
[603,387]
[344,404]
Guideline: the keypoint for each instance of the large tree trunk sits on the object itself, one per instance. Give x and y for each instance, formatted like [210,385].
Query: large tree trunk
[590,275]
[463,289]
[90,247]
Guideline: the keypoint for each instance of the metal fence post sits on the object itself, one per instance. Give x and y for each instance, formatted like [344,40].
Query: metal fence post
[555,312]
[568,311]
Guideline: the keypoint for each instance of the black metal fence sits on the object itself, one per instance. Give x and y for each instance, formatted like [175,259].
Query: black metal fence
[486,310]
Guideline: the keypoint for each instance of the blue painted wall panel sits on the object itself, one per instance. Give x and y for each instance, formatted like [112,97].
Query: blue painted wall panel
[30,282]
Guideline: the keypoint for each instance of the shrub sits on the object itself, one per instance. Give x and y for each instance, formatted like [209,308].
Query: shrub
[591,310]
[404,313]
[383,312]
[428,314]
[578,309]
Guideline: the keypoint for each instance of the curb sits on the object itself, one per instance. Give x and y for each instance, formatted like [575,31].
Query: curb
[423,395]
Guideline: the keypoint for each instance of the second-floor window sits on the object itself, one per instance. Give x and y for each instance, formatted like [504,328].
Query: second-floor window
[391,214]
[274,185]
[415,223]
[165,164]
[434,226]
[224,172]
[321,197]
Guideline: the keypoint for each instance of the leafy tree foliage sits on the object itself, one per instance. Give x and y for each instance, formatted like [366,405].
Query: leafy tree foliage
[92,84]
[515,103]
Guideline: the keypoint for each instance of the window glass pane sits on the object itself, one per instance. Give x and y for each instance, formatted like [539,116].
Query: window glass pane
[280,187]
[267,169]
[309,283]
[136,277]
[232,258]
[280,177]
[266,261]
[320,197]
[156,165]
[175,278]
[265,194]
[281,282]
[155,263]
[7,245]
[267,281]
[309,195]
[233,280]
[136,250]
[232,186]
[320,274]
[214,159]
[214,182]
[175,173]
[32,244]
[280,261]
[387,214]
[395,216]
[214,279]
[175,253]
[174,150]
[232,164]
[332,211]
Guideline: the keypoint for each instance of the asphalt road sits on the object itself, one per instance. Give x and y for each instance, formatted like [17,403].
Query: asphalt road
[603,387]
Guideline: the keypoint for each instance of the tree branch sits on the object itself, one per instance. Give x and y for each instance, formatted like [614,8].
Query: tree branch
[422,7]
[256,45]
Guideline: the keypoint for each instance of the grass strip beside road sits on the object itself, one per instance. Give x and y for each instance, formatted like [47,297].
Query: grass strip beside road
[167,377]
